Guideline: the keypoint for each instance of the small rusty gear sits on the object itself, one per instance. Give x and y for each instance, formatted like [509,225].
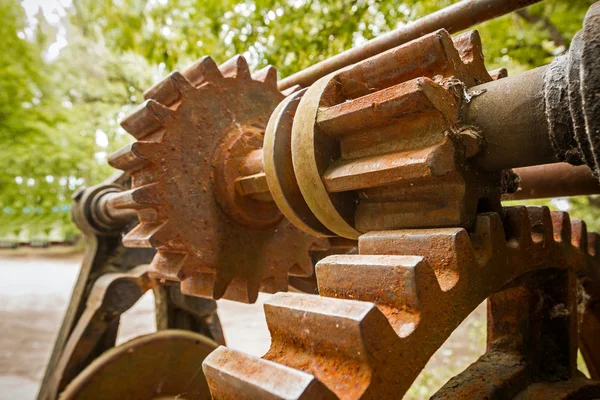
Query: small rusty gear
[198,134]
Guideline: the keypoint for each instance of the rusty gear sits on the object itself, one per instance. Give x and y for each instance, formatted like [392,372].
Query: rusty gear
[361,147]
[375,309]
[197,134]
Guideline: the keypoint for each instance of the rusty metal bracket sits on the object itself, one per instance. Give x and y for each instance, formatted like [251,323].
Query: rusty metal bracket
[111,279]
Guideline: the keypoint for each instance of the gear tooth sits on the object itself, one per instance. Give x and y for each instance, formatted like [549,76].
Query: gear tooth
[235,67]
[267,75]
[252,290]
[199,285]
[304,266]
[291,90]
[141,197]
[169,90]
[125,159]
[220,285]
[322,244]
[203,70]
[517,226]
[165,265]
[561,224]
[540,221]
[498,73]
[579,235]
[268,380]
[134,156]
[149,117]
[187,268]
[148,234]
[469,49]
[593,244]
[361,277]
[312,333]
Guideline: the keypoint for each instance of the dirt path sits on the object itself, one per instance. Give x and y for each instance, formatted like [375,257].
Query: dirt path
[34,292]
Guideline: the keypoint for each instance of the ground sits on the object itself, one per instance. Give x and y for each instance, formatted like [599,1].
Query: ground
[36,286]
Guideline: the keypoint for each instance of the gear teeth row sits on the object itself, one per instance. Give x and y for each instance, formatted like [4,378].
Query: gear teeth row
[376,304]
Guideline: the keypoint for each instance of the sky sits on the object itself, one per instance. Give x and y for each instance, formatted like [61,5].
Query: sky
[53,10]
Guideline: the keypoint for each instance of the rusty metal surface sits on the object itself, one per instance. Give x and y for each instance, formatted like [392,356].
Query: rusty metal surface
[196,171]
[554,180]
[111,278]
[550,112]
[103,253]
[375,308]
[406,151]
[455,18]
[589,325]
[513,104]
[532,344]
[590,84]
[354,169]
[111,295]
[163,365]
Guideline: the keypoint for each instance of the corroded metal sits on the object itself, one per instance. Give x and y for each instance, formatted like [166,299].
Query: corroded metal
[403,151]
[455,18]
[163,365]
[375,308]
[197,184]
[371,141]
[111,279]
[554,180]
[531,344]
[550,111]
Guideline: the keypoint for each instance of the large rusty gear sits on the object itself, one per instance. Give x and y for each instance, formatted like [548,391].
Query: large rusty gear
[378,318]
[197,136]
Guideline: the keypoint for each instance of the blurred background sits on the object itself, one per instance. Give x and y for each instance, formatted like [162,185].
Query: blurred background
[71,69]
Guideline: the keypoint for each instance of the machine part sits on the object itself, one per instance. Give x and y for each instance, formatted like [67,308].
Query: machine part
[156,366]
[111,295]
[197,184]
[455,18]
[110,279]
[370,142]
[554,180]
[376,308]
[279,169]
[531,345]
[549,111]
[589,326]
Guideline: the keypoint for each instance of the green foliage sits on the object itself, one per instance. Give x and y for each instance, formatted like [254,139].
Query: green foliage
[59,117]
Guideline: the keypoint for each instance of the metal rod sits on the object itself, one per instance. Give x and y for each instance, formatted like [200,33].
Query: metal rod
[554,180]
[109,211]
[454,18]
[510,113]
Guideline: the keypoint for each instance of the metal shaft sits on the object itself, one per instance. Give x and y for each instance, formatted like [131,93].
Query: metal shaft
[510,113]
[554,180]
[454,18]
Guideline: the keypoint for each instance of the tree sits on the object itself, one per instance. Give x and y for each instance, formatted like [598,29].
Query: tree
[59,118]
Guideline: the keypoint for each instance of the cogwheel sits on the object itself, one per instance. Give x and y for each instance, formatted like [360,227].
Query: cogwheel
[198,133]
